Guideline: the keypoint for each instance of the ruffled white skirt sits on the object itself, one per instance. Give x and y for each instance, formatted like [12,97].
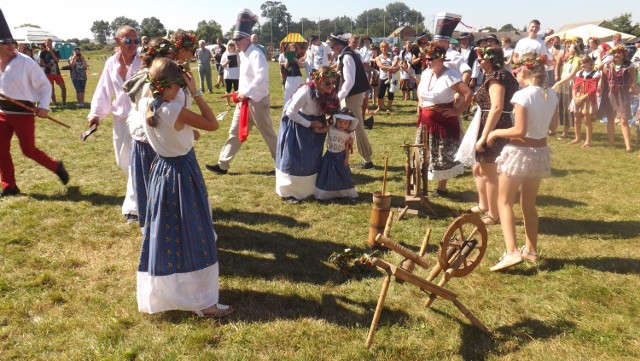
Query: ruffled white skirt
[525,162]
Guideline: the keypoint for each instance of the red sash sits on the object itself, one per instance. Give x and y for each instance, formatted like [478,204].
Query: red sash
[243,132]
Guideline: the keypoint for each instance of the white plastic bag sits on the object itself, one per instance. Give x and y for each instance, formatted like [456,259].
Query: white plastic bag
[466,153]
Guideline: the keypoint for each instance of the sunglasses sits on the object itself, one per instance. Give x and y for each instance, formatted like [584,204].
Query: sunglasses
[8,42]
[429,59]
[329,83]
[128,41]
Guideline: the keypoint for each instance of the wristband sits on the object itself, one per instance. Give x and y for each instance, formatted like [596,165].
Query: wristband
[197,94]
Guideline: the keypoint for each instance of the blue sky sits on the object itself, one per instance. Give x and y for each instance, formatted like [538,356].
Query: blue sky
[75,17]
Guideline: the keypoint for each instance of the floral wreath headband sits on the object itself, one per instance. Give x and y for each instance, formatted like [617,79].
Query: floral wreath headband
[159,86]
[488,53]
[617,48]
[529,63]
[435,52]
[187,41]
[325,73]
[162,49]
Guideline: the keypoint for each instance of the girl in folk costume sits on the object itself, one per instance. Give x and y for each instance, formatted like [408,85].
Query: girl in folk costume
[621,78]
[438,117]
[142,154]
[300,139]
[585,99]
[567,65]
[334,178]
[526,159]
[178,267]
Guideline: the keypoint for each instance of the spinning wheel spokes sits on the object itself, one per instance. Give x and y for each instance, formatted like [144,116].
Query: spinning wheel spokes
[459,252]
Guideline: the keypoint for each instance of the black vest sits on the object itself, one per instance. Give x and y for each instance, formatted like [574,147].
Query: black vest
[361,84]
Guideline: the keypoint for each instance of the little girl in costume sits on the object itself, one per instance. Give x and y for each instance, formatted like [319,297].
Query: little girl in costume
[334,178]
[585,87]
[178,267]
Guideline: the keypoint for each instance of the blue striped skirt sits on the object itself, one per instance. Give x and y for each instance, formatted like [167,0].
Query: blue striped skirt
[178,235]
[142,156]
[299,150]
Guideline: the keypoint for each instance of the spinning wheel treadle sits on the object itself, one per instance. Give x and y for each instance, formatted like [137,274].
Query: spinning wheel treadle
[466,235]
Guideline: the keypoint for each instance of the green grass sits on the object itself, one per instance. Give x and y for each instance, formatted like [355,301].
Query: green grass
[68,261]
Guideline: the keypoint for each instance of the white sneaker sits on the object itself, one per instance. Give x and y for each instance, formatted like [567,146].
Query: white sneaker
[507,260]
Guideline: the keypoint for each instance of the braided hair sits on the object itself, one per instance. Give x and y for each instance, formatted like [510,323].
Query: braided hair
[162,74]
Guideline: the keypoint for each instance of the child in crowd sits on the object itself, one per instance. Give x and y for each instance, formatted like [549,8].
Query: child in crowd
[526,159]
[334,178]
[585,99]
[181,274]
[406,79]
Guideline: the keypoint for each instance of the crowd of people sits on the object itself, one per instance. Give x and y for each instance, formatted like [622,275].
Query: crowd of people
[520,96]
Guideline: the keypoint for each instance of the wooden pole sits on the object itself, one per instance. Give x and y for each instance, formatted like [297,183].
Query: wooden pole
[384,178]
[376,314]
[32,109]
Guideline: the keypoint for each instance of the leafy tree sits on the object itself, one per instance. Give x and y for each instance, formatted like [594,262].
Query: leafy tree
[101,31]
[152,27]
[121,21]
[399,14]
[507,27]
[623,24]
[279,19]
[209,31]
[372,21]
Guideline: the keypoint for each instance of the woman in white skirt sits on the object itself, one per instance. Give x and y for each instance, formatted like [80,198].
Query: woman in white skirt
[526,159]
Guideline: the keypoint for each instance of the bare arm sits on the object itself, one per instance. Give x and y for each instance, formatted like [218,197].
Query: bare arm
[518,130]
[206,121]
[496,94]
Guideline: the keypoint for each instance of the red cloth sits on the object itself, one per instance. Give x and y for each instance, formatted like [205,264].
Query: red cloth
[587,86]
[243,132]
[432,118]
[23,125]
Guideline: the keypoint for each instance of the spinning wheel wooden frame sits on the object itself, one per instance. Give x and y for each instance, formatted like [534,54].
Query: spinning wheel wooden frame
[416,195]
[461,250]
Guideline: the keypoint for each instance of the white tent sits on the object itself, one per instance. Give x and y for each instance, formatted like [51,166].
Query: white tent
[33,35]
[589,30]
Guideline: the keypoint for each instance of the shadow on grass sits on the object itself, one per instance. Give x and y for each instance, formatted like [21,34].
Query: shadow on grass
[254,306]
[234,215]
[509,339]
[75,195]
[251,253]
[557,201]
[557,173]
[602,264]
[574,227]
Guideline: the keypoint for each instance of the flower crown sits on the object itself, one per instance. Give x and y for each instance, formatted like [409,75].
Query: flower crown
[325,73]
[488,53]
[163,49]
[571,40]
[617,48]
[436,52]
[531,62]
[187,41]
[158,86]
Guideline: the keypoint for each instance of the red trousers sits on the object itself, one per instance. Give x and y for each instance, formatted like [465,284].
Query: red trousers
[23,125]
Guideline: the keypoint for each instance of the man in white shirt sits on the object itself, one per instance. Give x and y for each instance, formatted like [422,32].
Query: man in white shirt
[253,85]
[531,43]
[319,54]
[110,98]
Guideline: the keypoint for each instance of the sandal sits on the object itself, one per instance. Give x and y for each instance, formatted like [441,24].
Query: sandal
[533,257]
[475,210]
[487,220]
[219,310]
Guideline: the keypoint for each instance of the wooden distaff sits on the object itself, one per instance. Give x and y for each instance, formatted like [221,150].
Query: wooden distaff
[31,109]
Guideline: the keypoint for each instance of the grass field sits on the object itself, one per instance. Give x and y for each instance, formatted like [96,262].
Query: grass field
[68,261]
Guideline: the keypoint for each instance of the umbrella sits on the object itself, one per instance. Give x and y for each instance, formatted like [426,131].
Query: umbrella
[589,30]
[293,38]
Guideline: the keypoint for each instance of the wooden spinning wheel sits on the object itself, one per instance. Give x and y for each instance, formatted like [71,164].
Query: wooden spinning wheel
[463,245]
[461,250]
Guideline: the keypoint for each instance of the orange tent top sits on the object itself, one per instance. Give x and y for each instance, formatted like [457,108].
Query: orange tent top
[293,38]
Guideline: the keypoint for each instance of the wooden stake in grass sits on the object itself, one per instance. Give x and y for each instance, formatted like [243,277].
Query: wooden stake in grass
[384,177]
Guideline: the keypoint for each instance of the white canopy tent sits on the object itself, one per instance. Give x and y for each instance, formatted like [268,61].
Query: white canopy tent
[589,30]
[33,35]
